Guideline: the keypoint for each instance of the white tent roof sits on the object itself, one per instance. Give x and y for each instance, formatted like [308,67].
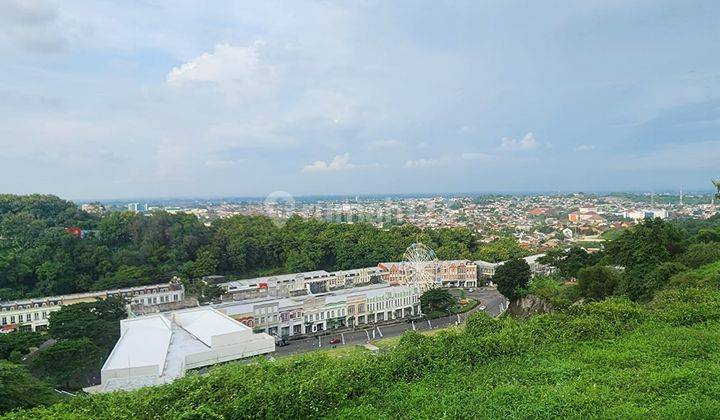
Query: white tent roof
[151,334]
[204,323]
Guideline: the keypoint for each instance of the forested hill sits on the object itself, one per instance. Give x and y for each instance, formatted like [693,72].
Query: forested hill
[39,257]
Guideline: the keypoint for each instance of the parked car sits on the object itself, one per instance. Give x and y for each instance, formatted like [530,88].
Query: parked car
[335,340]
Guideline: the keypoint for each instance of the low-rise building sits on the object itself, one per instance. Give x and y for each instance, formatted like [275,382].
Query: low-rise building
[33,314]
[448,273]
[308,314]
[160,348]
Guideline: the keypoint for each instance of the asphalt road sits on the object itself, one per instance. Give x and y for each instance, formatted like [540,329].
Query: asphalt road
[490,298]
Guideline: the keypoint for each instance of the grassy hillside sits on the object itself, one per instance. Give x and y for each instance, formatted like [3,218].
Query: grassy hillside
[613,358]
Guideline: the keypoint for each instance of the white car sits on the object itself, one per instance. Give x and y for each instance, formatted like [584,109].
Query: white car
[482,308]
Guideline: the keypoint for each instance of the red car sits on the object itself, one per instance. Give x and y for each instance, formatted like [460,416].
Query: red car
[335,340]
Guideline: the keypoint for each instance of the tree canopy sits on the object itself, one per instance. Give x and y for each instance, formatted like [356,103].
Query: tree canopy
[436,302]
[19,389]
[512,278]
[597,282]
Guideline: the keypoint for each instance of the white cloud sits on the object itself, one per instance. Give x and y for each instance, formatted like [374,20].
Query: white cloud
[584,148]
[238,71]
[339,163]
[526,143]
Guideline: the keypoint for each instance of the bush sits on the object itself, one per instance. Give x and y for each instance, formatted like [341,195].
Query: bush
[687,306]
[20,390]
[597,282]
[701,254]
[480,324]
[706,276]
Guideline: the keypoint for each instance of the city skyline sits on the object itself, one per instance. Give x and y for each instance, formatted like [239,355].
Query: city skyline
[321,99]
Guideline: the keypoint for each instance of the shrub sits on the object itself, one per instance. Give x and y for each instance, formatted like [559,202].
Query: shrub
[597,282]
[480,324]
[700,254]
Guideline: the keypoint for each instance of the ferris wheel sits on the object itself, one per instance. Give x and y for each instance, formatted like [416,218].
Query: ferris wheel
[421,263]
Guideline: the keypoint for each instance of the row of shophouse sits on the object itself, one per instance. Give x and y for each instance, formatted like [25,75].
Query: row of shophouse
[325,311]
[34,314]
[311,302]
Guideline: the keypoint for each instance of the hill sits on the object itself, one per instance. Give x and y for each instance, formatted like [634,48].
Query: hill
[613,358]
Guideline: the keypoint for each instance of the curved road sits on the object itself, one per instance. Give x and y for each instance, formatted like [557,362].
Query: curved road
[490,298]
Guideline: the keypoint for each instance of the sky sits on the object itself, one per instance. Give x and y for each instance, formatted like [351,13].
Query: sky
[103,99]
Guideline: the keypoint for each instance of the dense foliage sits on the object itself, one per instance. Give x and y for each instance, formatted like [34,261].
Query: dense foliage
[84,335]
[435,303]
[597,282]
[21,390]
[512,278]
[38,256]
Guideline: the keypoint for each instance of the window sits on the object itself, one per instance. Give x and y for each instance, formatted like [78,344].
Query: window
[37,316]
[4,320]
[12,319]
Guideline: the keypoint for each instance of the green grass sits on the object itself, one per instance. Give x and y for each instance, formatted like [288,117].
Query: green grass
[385,344]
[466,307]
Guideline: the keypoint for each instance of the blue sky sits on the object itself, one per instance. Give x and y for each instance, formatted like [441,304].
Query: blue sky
[189,98]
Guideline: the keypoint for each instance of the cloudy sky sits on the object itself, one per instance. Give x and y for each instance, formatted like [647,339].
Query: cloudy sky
[102,99]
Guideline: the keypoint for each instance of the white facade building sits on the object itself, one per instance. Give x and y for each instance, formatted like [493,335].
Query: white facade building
[34,314]
[308,314]
[160,348]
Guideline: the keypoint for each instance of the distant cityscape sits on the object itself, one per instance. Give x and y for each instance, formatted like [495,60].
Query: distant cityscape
[541,221]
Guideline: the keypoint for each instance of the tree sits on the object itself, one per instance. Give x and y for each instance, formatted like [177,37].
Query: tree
[657,279]
[99,321]
[436,302]
[19,389]
[644,246]
[71,364]
[597,282]
[502,249]
[700,254]
[20,342]
[569,262]
[708,235]
[512,278]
